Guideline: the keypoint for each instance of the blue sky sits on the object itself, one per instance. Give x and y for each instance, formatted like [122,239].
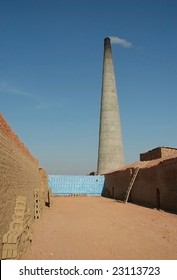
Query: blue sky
[51,54]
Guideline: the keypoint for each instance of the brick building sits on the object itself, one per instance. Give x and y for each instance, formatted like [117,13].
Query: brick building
[159,152]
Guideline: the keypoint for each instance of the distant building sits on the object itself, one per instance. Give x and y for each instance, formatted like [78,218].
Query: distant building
[159,152]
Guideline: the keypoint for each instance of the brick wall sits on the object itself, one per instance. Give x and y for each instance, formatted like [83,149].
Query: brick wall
[76,185]
[166,152]
[150,155]
[159,152]
[167,180]
[116,183]
[155,185]
[19,175]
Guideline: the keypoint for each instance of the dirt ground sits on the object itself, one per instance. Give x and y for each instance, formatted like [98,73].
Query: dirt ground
[97,228]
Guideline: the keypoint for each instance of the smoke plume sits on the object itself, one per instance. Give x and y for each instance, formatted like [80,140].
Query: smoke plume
[122,42]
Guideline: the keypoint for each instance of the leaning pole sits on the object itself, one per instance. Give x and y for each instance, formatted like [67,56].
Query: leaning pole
[110,149]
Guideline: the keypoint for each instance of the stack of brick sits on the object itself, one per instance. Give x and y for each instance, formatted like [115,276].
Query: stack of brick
[18,238]
[50,197]
[41,199]
[38,203]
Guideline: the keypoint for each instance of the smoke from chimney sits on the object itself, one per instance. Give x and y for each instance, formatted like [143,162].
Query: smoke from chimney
[122,42]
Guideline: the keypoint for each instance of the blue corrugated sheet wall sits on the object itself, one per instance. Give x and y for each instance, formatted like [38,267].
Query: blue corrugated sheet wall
[79,185]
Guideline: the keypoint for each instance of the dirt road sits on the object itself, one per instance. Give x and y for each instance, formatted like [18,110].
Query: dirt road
[96,228]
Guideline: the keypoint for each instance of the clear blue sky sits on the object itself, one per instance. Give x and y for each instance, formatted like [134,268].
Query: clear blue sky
[51,54]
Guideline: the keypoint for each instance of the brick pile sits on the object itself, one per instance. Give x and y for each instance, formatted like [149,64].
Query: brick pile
[41,199]
[18,238]
[38,204]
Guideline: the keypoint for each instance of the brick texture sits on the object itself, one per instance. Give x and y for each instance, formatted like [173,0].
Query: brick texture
[76,185]
[155,185]
[18,238]
[160,152]
[19,175]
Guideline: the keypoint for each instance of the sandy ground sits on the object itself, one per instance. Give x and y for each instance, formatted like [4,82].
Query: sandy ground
[96,228]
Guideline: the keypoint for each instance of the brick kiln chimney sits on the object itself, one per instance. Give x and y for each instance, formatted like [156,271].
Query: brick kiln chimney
[110,150]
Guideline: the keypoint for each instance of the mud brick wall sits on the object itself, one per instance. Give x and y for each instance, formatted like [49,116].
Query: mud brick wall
[116,183]
[167,180]
[144,189]
[155,185]
[159,152]
[150,155]
[19,175]
[166,152]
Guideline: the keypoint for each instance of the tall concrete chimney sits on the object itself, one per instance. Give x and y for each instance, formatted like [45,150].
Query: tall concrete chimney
[110,150]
